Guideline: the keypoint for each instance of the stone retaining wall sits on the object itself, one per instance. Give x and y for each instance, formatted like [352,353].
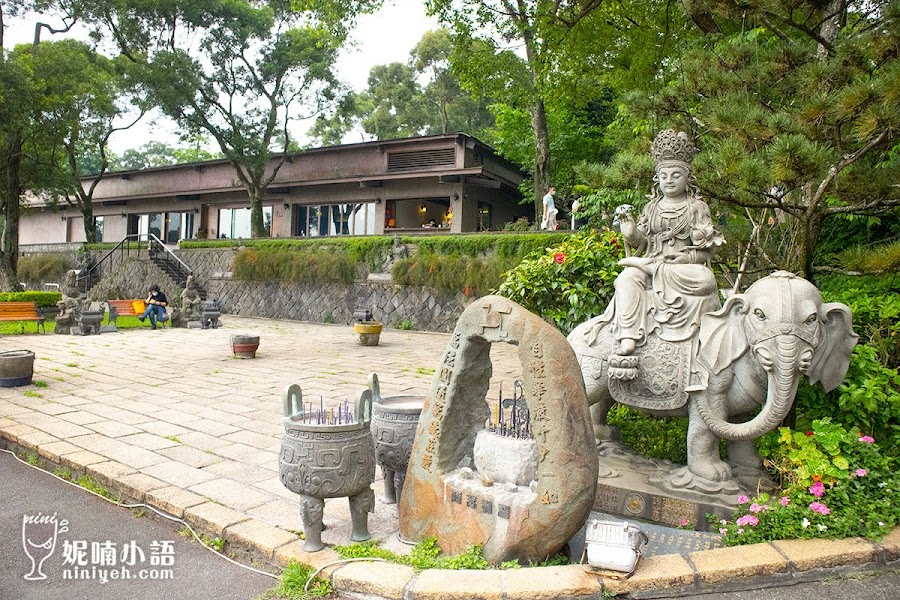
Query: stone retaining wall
[416,307]
[409,306]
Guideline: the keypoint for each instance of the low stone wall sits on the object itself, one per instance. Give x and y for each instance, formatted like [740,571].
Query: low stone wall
[415,306]
[132,279]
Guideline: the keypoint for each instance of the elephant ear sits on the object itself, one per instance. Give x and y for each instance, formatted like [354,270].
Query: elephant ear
[832,357]
[722,339]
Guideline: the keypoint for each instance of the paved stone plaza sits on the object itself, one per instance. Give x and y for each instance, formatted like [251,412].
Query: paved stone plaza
[168,417]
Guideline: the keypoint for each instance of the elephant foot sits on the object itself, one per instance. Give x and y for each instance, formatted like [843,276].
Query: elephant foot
[711,469]
[685,479]
[623,367]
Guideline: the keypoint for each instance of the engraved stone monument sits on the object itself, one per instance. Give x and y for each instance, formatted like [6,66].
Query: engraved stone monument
[667,346]
[444,498]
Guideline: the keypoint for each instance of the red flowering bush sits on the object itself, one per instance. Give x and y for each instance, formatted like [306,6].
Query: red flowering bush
[569,283]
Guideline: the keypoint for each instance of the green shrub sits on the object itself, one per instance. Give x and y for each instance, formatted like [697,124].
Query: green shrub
[295,266]
[653,437]
[41,299]
[43,268]
[486,244]
[472,276]
[569,283]
[838,484]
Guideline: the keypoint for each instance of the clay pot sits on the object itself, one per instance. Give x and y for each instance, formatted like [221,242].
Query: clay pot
[321,461]
[244,345]
[369,332]
[394,423]
[16,368]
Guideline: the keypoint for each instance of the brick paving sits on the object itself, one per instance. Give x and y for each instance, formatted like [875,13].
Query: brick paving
[173,406]
[169,418]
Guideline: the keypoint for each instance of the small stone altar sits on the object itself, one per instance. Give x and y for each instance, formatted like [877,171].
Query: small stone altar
[444,497]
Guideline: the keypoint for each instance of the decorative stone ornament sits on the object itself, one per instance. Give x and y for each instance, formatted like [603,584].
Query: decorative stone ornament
[369,332]
[16,368]
[244,345]
[444,498]
[394,422]
[323,456]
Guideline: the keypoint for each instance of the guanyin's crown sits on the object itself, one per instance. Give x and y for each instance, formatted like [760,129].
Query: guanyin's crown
[671,148]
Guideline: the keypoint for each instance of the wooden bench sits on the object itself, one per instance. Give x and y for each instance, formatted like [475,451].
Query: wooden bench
[125,308]
[21,311]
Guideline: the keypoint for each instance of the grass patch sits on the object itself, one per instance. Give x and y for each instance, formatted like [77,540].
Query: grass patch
[90,484]
[424,371]
[31,394]
[63,473]
[33,459]
[292,582]
[73,365]
[427,555]
[39,384]
[172,438]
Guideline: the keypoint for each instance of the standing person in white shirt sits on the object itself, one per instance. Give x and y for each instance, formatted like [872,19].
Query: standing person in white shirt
[549,219]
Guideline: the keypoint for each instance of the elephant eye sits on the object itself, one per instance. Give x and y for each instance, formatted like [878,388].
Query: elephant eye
[811,319]
[759,314]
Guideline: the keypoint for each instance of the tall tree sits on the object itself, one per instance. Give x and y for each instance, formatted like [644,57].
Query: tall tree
[20,98]
[421,96]
[795,107]
[239,70]
[542,28]
[84,100]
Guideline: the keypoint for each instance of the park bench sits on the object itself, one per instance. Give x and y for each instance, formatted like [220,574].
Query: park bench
[21,311]
[126,308]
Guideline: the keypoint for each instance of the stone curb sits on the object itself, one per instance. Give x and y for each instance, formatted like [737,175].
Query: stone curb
[764,565]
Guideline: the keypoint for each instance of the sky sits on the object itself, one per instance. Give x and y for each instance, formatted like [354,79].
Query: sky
[384,37]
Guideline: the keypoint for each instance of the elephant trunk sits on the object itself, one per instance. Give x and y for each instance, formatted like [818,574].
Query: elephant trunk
[783,376]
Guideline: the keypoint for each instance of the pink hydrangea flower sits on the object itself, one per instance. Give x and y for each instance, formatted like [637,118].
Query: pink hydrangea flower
[755,508]
[785,500]
[817,489]
[861,472]
[820,508]
[743,499]
[747,520]
[722,530]
[740,531]
[868,439]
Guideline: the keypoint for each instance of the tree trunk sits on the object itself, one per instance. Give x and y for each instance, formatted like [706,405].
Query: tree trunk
[90,229]
[257,226]
[9,217]
[541,155]
[809,237]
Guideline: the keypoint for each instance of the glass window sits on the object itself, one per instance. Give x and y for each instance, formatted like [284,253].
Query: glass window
[173,227]
[98,228]
[155,224]
[235,222]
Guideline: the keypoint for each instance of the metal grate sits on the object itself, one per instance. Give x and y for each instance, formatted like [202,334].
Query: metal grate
[423,159]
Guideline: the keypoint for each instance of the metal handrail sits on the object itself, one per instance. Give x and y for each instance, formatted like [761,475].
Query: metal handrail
[155,247]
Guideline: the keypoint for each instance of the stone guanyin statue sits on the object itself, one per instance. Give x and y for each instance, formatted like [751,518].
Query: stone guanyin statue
[667,283]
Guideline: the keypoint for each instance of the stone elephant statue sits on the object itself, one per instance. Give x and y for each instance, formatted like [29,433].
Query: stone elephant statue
[751,355]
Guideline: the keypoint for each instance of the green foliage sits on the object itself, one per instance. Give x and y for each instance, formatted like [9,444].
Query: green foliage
[837,484]
[292,584]
[43,268]
[41,299]
[472,276]
[297,266]
[869,397]
[569,283]
[405,325]
[651,436]
[425,555]
[874,261]
[499,244]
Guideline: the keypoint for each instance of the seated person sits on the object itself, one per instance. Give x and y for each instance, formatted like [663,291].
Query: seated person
[156,306]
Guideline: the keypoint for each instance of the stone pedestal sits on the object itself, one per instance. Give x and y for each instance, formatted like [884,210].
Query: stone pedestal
[633,486]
